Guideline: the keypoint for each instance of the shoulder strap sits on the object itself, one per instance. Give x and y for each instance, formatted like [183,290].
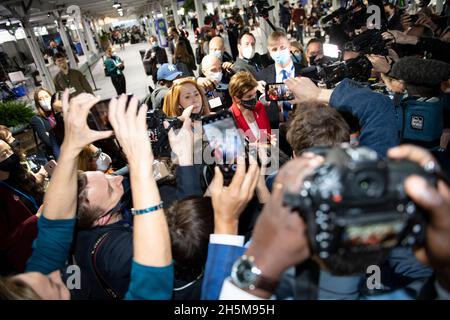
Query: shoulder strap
[108,289]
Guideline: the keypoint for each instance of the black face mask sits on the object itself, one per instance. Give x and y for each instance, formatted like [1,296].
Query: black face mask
[312,60]
[11,164]
[249,104]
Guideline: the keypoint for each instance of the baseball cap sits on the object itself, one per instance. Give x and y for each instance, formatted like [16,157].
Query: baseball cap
[168,72]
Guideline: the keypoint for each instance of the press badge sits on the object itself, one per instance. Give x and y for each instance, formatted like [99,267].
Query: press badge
[215,103]
[72,90]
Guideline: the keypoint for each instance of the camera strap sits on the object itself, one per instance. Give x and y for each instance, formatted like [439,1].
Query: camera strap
[24,195]
[108,289]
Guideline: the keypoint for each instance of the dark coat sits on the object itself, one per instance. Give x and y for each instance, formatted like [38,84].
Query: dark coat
[268,75]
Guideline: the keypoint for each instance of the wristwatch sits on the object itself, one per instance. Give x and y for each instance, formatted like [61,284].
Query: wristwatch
[246,275]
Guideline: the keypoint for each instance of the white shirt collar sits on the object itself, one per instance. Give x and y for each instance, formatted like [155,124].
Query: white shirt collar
[288,68]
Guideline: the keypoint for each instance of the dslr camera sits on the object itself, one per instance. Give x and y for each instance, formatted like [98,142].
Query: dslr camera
[158,134]
[356,205]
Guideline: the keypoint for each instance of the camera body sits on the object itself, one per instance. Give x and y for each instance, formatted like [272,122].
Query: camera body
[358,69]
[263,7]
[356,204]
[330,74]
[158,134]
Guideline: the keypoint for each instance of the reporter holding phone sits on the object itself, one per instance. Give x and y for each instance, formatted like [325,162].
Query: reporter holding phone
[249,114]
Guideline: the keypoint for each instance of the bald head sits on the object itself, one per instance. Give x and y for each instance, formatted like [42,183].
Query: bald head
[216,47]
[209,61]
[211,64]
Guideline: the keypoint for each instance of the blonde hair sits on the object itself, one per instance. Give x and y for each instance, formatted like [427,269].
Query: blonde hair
[241,83]
[172,98]
[275,36]
[15,289]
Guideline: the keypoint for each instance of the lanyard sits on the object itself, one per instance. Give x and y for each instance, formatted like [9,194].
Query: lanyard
[52,120]
[26,196]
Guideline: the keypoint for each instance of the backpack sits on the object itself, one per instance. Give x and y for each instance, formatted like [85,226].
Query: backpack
[421,122]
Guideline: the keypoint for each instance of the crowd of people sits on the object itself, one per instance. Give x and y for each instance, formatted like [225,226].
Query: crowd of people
[125,198]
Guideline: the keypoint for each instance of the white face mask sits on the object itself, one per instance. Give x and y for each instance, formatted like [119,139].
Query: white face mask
[46,104]
[216,76]
[103,162]
[248,53]
[217,54]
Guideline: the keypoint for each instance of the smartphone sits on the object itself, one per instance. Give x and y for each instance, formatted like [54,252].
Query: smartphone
[98,119]
[278,92]
[413,18]
[99,114]
[50,167]
[224,141]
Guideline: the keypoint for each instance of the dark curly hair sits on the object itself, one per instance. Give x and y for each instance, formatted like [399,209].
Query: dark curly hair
[25,180]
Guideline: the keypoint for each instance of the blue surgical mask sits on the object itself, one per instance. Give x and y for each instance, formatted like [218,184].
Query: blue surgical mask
[281,57]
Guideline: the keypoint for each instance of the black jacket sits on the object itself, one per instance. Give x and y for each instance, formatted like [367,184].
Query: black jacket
[395,23]
[253,66]
[43,129]
[152,62]
[115,254]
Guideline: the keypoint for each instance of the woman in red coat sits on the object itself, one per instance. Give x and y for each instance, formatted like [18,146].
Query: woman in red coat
[249,114]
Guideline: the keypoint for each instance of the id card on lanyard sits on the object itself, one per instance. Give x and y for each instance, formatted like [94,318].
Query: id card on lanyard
[72,90]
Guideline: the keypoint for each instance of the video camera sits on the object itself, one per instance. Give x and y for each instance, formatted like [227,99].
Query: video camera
[348,17]
[263,8]
[356,204]
[358,69]
[369,42]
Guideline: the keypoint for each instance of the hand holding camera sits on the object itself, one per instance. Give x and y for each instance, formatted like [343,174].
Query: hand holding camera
[182,141]
[435,200]
[130,129]
[279,239]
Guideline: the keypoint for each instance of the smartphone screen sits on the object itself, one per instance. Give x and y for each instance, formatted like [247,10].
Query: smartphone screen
[224,140]
[98,119]
[278,92]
